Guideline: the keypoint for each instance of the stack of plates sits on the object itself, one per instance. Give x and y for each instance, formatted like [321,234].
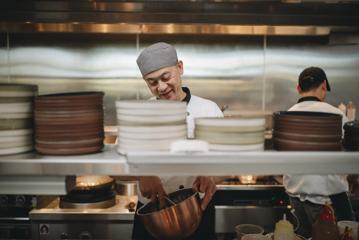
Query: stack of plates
[231,134]
[351,136]
[16,118]
[150,125]
[69,123]
[307,131]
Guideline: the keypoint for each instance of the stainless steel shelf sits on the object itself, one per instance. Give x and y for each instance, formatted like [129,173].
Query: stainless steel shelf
[257,163]
[109,162]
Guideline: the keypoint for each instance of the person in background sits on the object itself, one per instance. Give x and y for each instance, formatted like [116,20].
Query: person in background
[162,71]
[308,193]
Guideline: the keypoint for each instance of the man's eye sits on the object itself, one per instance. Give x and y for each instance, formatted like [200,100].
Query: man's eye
[166,77]
[152,83]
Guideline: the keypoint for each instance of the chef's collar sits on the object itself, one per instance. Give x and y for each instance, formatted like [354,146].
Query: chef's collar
[187,98]
[309,98]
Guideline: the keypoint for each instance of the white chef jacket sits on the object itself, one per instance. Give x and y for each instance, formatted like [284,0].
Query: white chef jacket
[315,188]
[196,108]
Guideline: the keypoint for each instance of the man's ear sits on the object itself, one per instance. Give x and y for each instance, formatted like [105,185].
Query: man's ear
[323,86]
[299,89]
[180,66]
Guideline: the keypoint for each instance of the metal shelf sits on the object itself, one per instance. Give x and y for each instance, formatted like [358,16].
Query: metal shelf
[257,163]
[108,162]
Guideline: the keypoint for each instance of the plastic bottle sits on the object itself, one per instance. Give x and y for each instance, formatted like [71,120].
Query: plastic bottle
[351,111]
[283,230]
[325,227]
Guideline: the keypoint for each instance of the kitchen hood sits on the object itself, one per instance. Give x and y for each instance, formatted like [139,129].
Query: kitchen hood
[286,17]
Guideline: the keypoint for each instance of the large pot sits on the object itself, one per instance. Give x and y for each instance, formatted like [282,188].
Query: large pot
[177,220]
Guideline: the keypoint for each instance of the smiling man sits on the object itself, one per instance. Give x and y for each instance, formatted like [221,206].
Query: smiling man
[166,83]
[162,71]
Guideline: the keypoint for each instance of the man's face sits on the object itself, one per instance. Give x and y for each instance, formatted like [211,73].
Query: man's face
[166,83]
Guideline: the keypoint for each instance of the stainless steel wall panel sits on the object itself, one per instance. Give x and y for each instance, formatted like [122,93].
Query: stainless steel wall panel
[284,63]
[256,75]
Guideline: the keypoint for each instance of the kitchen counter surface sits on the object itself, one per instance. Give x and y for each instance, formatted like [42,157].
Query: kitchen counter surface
[117,212]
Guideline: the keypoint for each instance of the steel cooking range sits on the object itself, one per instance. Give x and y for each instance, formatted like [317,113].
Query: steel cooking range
[83,217]
[14,216]
[66,218]
[262,202]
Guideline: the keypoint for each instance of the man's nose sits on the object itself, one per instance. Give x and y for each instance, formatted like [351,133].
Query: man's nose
[161,86]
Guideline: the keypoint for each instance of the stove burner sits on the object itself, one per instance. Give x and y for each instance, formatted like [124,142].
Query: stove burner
[88,200]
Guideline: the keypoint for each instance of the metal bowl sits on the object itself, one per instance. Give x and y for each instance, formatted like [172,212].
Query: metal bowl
[174,221]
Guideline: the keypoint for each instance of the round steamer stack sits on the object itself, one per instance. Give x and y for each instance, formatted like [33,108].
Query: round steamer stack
[307,131]
[351,136]
[16,118]
[69,123]
[231,134]
[150,125]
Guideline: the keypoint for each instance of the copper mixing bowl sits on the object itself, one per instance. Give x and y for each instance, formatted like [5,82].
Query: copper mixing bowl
[178,220]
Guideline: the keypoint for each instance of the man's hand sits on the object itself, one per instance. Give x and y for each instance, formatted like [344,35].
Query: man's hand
[151,188]
[207,186]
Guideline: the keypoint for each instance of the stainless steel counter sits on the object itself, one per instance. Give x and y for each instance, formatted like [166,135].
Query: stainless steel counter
[53,222]
[118,212]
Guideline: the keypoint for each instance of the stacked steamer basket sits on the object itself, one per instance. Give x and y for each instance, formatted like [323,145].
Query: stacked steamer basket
[351,136]
[16,118]
[307,131]
[150,125]
[69,123]
[231,134]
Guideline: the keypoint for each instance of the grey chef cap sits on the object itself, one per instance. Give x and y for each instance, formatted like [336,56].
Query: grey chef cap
[156,56]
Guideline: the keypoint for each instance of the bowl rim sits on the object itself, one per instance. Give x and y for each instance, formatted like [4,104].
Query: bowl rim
[249,225]
[71,94]
[166,208]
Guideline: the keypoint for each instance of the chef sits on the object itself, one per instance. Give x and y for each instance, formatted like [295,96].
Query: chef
[162,71]
[308,193]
